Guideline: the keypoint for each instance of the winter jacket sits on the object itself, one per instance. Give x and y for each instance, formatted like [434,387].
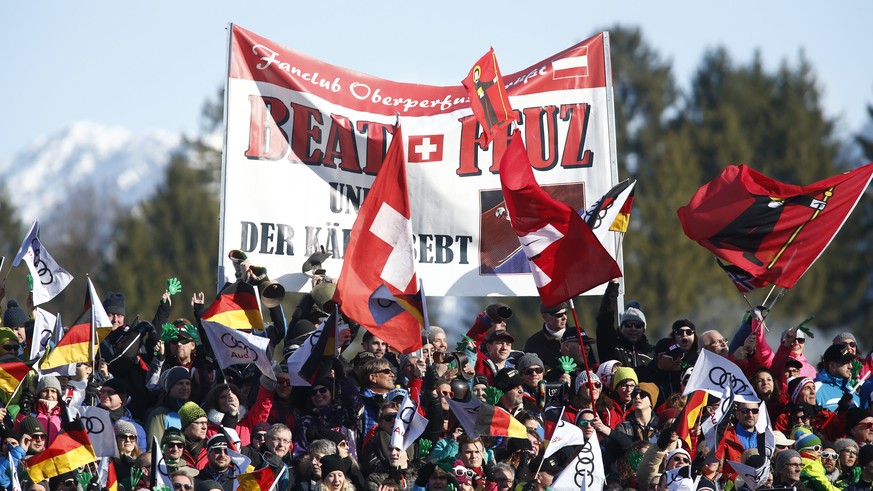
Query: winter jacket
[829,389]
[611,345]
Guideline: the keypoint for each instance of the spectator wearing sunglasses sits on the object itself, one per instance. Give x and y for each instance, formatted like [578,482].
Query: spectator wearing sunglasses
[377,377]
[181,481]
[627,344]
[219,466]
[642,423]
[672,356]
[813,472]
[546,343]
[834,379]
[532,369]
[128,450]
[173,450]
[791,346]
[829,460]
[859,425]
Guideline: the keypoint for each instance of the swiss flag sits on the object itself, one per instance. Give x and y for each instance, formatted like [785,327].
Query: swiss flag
[379,257]
[425,148]
[566,258]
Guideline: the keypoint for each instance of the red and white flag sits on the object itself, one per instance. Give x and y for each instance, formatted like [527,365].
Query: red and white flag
[566,259]
[379,257]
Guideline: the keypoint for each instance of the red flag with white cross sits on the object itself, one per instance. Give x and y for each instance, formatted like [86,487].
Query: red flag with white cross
[566,259]
[379,261]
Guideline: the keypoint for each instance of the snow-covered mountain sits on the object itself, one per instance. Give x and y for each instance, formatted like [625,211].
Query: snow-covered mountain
[104,158]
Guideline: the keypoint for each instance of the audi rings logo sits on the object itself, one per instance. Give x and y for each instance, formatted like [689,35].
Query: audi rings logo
[241,349]
[726,380]
[585,465]
[42,270]
[93,424]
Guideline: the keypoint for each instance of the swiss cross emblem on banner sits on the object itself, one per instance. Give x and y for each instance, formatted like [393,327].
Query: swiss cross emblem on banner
[425,148]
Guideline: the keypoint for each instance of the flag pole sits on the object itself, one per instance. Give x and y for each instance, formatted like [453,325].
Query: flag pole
[584,354]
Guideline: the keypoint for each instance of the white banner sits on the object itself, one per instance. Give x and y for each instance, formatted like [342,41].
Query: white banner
[305,139]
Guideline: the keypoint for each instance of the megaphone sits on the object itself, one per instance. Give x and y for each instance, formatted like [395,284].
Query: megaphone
[322,294]
[240,263]
[272,293]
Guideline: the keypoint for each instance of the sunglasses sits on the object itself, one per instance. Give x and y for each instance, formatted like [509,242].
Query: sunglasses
[559,314]
[850,344]
[128,438]
[108,392]
[11,347]
[386,371]
[749,410]
[594,384]
[218,450]
[174,445]
[448,393]
[640,393]
[801,416]
[684,332]
[829,455]
[186,487]
[681,459]
[320,390]
[533,371]
[814,448]
[284,382]
[866,425]
[585,422]
[260,436]
[800,340]
[469,473]
[633,325]
[389,418]
[40,436]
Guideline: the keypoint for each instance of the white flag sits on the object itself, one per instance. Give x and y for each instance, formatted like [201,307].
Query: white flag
[679,479]
[409,424]
[754,478]
[585,471]
[101,318]
[159,466]
[565,434]
[232,346]
[98,424]
[49,278]
[43,327]
[720,377]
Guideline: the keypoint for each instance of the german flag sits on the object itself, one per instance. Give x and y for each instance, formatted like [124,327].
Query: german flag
[11,375]
[260,480]
[484,419]
[75,347]
[70,450]
[689,415]
[236,307]
[323,351]
[111,477]
[621,221]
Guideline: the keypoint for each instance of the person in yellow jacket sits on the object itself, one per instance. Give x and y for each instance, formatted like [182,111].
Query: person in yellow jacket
[812,473]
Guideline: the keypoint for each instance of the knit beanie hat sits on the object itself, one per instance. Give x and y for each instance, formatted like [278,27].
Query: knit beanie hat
[334,462]
[795,385]
[529,360]
[605,371]
[48,382]
[174,376]
[31,425]
[633,315]
[172,435]
[114,303]
[808,440]
[839,337]
[624,373]
[189,412]
[652,390]
[783,457]
[14,316]
[854,416]
[123,427]
[844,443]
[582,380]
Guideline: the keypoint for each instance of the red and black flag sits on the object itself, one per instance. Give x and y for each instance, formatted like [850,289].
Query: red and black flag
[772,230]
[488,97]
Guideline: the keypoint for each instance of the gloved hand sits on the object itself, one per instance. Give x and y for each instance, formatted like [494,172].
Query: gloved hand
[845,402]
[91,390]
[856,475]
[664,439]
[25,401]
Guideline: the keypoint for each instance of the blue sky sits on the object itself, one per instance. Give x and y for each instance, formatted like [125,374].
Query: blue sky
[151,65]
